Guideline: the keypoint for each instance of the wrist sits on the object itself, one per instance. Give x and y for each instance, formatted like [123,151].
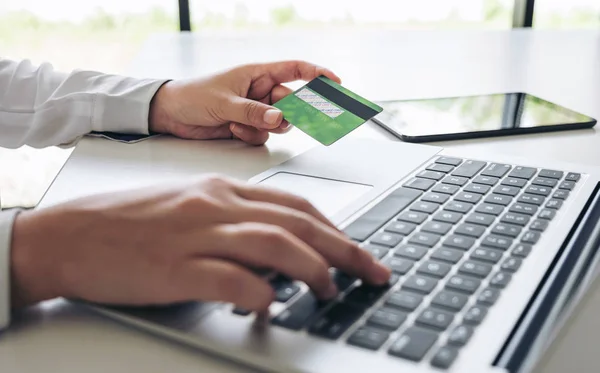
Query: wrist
[159,119]
[31,280]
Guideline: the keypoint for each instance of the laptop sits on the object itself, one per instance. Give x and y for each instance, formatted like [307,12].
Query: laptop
[488,254]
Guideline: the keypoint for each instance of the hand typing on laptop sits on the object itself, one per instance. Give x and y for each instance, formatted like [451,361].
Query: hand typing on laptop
[164,244]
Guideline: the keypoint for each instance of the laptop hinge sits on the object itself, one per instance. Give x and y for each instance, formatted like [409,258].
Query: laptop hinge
[574,261]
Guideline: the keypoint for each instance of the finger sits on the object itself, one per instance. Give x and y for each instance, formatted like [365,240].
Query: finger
[253,113]
[289,71]
[215,280]
[280,197]
[247,134]
[284,127]
[278,92]
[335,247]
[267,246]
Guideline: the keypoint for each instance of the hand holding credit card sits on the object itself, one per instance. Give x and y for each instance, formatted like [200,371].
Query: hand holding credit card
[325,110]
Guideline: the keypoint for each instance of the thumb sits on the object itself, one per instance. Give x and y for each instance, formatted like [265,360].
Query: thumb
[254,113]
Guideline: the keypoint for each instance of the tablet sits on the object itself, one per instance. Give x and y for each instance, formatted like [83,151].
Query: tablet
[465,117]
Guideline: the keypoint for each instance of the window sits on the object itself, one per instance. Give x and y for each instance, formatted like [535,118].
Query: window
[561,14]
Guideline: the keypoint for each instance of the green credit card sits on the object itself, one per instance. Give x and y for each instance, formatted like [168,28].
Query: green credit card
[325,110]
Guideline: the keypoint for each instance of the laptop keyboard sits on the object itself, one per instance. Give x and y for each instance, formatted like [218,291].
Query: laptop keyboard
[453,236]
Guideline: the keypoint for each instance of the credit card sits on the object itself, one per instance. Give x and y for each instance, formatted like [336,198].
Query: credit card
[325,110]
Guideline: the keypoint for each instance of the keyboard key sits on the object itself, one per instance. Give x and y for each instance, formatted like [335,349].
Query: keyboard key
[387,318]
[469,169]
[514,218]
[386,239]
[530,237]
[465,284]
[434,318]
[445,189]
[455,180]
[376,251]
[420,284]
[488,296]
[561,194]
[459,242]
[547,214]
[486,208]
[241,311]
[381,213]
[298,314]
[485,180]
[335,321]
[550,183]
[497,242]
[434,269]
[467,197]
[539,225]
[342,280]
[449,161]
[507,190]
[438,167]
[433,175]
[435,197]
[420,184]
[426,207]
[524,208]
[444,357]
[477,188]
[461,207]
[476,269]
[521,250]
[496,170]
[365,295]
[400,227]
[554,204]
[451,300]
[471,230]
[285,292]
[447,254]
[405,300]
[551,174]
[425,239]
[460,335]
[413,252]
[436,227]
[500,280]
[538,190]
[522,172]
[512,181]
[572,176]
[399,265]
[498,199]
[369,338]
[412,217]
[413,344]
[507,230]
[448,217]
[481,219]
[487,255]
[531,199]
[568,185]
[475,315]
[511,264]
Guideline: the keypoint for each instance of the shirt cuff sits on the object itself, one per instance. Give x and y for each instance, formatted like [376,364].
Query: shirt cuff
[6,224]
[125,110]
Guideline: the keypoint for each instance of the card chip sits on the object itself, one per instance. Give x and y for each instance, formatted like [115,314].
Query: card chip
[319,103]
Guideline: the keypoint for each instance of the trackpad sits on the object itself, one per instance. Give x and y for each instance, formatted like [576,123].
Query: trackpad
[327,195]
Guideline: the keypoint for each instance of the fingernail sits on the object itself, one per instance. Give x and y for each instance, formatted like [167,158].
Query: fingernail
[332,291]
[284,125]
[272,117]
[237,128]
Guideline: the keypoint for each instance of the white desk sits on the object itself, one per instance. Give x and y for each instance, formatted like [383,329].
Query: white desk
[560,66]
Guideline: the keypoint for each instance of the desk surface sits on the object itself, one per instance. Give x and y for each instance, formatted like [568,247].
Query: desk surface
[558,66]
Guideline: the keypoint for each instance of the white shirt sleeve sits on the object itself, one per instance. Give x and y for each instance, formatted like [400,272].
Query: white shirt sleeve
[41,107]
